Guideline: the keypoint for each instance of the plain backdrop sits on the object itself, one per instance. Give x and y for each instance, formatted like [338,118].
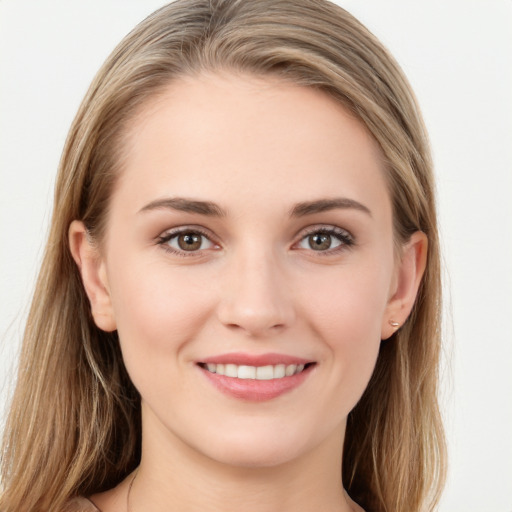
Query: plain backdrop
[457,55]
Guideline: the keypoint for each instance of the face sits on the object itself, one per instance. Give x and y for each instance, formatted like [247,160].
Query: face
[248,267]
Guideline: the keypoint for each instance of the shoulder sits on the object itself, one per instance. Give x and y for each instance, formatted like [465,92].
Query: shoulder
[80,504]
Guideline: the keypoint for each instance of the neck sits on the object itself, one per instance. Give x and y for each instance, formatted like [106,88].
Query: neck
[173,473]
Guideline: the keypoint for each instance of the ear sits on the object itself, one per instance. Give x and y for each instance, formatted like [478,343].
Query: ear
[94,276]
[407,281]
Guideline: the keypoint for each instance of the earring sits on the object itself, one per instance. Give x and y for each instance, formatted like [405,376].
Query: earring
[394,324]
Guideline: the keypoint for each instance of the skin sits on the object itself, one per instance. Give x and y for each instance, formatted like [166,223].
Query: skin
[256,148]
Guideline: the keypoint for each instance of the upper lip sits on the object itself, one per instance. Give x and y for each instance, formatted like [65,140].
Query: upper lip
[240,358]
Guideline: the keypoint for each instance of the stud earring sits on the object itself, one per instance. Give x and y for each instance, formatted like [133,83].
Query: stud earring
[394,324]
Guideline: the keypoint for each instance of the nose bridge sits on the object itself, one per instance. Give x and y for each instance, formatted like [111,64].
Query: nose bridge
[257,297]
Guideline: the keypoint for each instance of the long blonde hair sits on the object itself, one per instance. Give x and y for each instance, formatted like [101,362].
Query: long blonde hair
[74,424]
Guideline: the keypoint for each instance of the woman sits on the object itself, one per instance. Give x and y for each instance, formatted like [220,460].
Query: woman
[240,293]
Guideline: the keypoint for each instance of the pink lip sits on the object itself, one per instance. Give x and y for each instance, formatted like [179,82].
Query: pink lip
[240,358]
[251,389]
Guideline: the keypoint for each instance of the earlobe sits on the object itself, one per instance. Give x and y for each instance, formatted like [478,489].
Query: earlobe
[94,276]
[409,273]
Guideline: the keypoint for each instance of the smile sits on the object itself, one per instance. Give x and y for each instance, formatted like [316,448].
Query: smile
[256,378]
[268,372]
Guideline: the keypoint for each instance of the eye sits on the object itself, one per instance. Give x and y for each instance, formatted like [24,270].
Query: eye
[188,240]
[326,239]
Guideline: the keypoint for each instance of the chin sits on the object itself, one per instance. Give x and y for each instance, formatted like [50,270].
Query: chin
[258,447]
[255,457]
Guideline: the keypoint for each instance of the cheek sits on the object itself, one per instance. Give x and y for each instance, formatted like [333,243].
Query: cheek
[349,304]
[347,316]
[158,311]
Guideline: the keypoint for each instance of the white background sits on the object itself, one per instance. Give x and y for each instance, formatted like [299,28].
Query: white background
[456,53]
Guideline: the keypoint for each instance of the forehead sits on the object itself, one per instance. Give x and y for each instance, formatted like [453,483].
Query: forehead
[254,138]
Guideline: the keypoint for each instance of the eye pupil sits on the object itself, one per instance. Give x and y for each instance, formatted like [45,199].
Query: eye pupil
[189,241]
[320,241]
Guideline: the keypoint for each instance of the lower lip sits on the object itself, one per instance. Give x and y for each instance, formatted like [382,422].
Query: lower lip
[256,390]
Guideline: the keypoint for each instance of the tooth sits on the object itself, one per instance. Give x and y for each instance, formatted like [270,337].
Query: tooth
[255,372]
[246,372]
[265,372]
[290,370]
[231,370]
[279,371]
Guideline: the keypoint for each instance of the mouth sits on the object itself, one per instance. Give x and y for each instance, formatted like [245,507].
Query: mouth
[266,378]
[267,372]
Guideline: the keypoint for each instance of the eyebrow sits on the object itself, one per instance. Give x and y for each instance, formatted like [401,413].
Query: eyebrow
[324,205]
[185,205]
[211,209]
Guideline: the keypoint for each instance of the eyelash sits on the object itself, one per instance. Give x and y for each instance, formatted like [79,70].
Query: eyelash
[343,236]
[164,239]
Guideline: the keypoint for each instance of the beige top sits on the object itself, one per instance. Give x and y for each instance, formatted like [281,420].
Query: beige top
[80,505]
[84,505]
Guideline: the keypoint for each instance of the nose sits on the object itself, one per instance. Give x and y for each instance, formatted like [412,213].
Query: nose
[256,296]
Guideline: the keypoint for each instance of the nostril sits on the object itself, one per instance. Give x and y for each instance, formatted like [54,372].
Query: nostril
[257,330]
[255,304]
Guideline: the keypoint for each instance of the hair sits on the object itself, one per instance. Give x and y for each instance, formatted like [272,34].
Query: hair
[74,426]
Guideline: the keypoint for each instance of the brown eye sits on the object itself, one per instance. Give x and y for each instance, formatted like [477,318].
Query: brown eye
[186,242]
[189,241]
[326,239]
[320,241]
